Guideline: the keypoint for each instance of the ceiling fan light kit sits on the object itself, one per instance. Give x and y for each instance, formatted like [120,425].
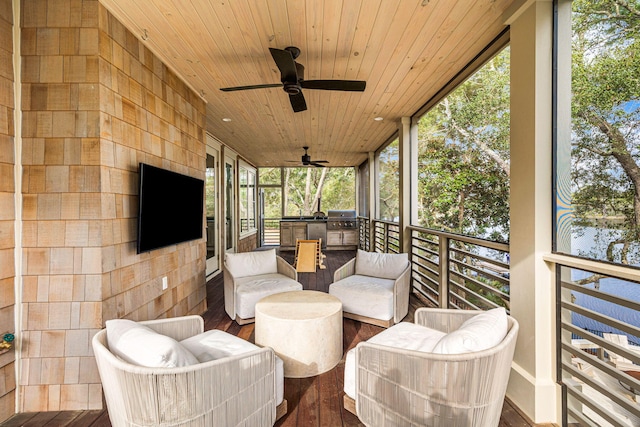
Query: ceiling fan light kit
[292,78]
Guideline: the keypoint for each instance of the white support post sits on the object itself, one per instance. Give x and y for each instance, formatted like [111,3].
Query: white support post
[532,385]
[404,154]
[373,200]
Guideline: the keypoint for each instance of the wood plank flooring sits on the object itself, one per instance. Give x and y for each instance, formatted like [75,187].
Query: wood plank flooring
[312,402]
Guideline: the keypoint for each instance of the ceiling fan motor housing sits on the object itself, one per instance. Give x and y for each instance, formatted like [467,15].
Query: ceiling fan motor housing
[292,88]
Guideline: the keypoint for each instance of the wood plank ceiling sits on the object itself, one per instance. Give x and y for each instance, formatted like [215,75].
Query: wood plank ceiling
[406,50]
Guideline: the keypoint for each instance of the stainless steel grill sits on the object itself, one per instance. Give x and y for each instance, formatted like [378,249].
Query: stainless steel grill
[341,220]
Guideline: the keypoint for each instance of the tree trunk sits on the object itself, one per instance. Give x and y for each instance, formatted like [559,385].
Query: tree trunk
[621,153]
[285,198]
[307,194]
[316,198]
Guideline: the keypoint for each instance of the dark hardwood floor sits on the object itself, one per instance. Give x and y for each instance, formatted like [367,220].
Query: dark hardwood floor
[315,401]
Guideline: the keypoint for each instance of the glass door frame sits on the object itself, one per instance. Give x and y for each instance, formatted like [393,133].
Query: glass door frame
[213,263]
[229,225]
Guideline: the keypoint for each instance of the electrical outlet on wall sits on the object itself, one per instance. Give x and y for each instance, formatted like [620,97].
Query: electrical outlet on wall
[165,283]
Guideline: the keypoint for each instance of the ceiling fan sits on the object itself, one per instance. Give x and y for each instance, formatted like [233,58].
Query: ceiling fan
[306,160]
[292,78]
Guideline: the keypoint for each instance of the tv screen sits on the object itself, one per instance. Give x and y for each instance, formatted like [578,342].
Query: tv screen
[170,208]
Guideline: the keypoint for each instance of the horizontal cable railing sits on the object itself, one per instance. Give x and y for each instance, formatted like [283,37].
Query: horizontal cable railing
[598,341]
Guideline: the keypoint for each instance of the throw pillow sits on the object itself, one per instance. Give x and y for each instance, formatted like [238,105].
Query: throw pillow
[140,345]
[478,333]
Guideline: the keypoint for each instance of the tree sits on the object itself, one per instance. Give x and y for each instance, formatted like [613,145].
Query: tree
[463,163]
[307,189]
[389,182]
[606,123]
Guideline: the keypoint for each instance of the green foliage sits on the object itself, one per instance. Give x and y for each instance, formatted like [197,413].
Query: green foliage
[606,118]
[339,190]
[302,188]
[389,182]
[463,159]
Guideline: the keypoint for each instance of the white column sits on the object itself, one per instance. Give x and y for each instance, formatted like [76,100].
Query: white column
[373,199]
[532,384]
[17,159]
[405,151]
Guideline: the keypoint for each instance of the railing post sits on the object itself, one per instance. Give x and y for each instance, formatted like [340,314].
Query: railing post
[386,238]
[443,256]
[372,235]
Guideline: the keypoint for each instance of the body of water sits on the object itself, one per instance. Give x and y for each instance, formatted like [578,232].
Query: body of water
[594,242]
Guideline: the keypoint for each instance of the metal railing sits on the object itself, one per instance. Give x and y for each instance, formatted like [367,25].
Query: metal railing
[386,236]
[364,234]
[598,346]
[451,270]
[457,271]
[270,232]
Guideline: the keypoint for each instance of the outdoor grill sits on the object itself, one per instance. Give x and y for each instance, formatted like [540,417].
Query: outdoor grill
[342,220]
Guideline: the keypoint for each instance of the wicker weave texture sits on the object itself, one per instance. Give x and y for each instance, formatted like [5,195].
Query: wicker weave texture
[233,391]
[396,387]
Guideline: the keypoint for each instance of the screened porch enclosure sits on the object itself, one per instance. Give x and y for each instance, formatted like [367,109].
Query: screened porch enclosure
[511,254]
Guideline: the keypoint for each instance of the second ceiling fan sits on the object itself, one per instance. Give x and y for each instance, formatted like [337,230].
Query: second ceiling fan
[292,78]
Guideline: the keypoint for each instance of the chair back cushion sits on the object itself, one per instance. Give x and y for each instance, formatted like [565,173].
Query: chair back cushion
[480,332]
[251,263]
[140,345]
[386,266]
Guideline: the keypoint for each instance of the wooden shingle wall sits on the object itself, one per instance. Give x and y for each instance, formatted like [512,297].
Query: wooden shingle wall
[96,102]
[7,208]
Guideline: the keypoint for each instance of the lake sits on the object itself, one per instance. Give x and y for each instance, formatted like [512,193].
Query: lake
[595,242]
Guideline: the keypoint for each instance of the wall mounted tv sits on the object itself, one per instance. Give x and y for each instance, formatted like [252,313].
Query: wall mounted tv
[170,208]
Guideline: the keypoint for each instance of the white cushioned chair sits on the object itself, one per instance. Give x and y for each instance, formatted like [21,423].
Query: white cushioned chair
[251,276]
[374,287]
[450,368]
[169,372]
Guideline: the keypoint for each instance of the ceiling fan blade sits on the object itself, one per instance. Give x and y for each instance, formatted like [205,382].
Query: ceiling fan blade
[231,89]
[345,85]
[286,64]
[297,102]
[321,161]
[316,164]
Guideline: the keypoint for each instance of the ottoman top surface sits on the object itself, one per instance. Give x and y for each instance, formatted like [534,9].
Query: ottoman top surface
[298,305]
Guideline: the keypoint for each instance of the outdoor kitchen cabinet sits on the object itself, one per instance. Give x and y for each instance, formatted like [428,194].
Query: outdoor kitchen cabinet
[342,237]
[290,231]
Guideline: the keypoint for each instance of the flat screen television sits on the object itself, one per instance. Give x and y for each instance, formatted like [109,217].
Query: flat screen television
[170,208]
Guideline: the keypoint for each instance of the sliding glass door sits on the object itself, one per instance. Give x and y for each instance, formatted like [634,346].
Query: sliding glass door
[211,211]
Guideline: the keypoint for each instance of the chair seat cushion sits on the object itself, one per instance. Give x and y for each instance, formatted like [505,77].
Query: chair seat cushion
[404,335]
[216,344]
[251,289]
[140,345]
[365,296]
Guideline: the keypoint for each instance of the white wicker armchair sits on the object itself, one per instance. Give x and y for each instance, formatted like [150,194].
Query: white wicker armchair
[395,386]
[251,276]
[374,287]
[236,390]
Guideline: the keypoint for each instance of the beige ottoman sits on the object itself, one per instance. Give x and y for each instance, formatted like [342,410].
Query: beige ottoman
[304,328]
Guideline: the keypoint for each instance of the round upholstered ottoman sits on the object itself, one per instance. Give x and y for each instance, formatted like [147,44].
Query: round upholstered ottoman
[304,328]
